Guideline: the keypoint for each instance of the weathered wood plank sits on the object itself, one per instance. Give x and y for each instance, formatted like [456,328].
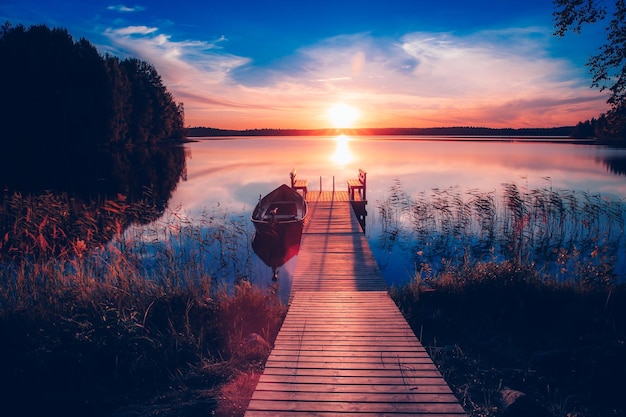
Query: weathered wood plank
[365,397]
[352,388]
[355,407]
[321,363]
[382,357]
[344,346]
[271,413]
[410,383]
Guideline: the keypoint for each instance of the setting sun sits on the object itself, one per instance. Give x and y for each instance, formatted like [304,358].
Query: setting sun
[343,115]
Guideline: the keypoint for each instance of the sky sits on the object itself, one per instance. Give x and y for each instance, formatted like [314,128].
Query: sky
[393,63]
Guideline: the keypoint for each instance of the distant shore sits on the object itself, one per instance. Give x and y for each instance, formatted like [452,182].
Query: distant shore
[463,131]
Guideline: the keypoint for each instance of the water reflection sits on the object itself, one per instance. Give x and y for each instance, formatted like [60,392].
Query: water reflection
[64,204]
[275,250]
[615,164]
[342,155]
[234,171]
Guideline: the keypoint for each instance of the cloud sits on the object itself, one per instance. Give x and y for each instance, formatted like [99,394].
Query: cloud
[131,30]
[193,69]
[124,9]
[491,78]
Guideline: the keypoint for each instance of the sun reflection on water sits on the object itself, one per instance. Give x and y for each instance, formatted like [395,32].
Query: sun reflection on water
[342,155]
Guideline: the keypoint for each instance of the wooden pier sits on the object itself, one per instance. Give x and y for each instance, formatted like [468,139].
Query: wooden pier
[344,347]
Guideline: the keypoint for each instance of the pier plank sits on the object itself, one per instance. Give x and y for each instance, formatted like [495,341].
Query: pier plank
[344,346]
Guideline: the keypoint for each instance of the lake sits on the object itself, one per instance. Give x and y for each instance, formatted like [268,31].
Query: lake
[431,200]
[233,172]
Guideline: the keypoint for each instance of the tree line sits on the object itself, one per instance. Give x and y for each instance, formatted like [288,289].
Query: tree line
[609,128]
[63,95]
[417,131]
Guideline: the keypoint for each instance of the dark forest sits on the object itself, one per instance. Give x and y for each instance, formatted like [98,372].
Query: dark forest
[63,95]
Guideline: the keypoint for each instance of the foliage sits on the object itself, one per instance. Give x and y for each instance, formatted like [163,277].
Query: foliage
[609,128]
[61,94]
[608,66]
[56,211]
[99,330]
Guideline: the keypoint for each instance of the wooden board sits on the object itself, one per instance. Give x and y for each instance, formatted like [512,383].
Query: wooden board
[344,347]
[334,253]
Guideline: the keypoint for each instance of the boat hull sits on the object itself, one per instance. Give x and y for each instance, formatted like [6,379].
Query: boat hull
[283,206]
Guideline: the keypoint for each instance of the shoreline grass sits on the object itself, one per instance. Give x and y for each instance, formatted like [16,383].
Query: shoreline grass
[142,326]
[498,327]
[108,350]
[517,294]
[564,235]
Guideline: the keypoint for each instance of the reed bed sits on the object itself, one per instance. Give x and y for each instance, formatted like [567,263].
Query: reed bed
[516,293]
[564,235]
[155,321]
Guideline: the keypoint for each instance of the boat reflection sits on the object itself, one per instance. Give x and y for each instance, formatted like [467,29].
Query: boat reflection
[277,245]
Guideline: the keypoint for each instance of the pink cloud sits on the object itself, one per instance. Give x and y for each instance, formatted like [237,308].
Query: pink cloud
[496,79]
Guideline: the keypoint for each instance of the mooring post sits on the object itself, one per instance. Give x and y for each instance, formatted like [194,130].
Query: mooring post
[320,184]
[333,184]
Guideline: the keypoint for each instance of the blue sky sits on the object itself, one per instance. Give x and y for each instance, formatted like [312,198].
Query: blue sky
[283,64]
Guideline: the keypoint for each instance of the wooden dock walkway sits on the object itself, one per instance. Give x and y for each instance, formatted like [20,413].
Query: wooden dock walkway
[344,347]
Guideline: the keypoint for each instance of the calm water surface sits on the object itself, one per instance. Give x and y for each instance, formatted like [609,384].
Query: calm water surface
[232,172]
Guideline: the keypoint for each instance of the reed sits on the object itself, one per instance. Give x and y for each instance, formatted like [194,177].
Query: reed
[167,307]
[516,288]
[499,325]
[564,235]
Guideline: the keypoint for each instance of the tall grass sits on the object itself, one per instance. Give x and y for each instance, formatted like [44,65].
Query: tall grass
[165,307]
[516,289]
[563,235]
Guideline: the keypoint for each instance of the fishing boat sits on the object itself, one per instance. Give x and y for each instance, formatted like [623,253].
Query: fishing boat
[284,206]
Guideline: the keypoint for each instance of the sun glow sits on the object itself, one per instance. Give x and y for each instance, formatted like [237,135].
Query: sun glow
[343,115]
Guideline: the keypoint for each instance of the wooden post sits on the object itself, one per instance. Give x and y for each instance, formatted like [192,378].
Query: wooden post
[320,184]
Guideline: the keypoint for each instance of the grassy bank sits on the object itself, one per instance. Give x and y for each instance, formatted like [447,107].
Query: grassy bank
[104,351]
[142,326]
[497,329]
[516,293]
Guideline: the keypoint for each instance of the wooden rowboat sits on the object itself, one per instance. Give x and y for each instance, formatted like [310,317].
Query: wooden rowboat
[278,219]
[283,206]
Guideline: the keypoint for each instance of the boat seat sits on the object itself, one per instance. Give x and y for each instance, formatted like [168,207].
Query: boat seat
[279,217]
[283,208]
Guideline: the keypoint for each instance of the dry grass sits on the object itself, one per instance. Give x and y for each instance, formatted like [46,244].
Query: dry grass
[134,328]
[517,288]
[498,326]
[235,394]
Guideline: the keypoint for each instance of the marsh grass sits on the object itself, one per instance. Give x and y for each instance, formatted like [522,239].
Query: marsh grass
[522,290]
[564,235]
[142,325]
[498,325]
